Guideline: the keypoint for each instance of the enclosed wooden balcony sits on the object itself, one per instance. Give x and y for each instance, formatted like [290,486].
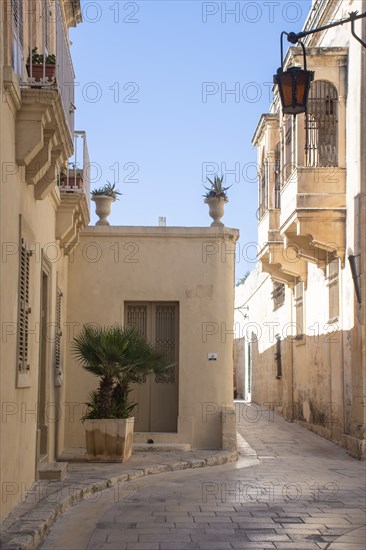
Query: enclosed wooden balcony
[302,200]
[313,212]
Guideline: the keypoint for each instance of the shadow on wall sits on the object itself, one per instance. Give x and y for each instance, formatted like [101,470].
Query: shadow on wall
[318,384]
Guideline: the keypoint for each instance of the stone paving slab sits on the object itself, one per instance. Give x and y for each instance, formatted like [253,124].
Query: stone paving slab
[29,522]
[350,541]
[301,493]
[304,493]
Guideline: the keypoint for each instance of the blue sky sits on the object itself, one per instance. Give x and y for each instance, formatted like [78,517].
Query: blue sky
[153,94]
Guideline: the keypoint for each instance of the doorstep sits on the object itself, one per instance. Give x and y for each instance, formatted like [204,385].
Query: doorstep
[53,471]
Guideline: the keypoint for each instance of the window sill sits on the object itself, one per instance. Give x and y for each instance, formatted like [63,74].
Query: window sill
[300,340]
[23,380]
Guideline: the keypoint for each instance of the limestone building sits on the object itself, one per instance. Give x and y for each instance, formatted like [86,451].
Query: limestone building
[301,315]
[43,209]
[57,274]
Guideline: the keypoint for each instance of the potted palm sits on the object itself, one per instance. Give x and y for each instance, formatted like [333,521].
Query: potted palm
[103,198]
[216,197]
[119,356]
[40,61]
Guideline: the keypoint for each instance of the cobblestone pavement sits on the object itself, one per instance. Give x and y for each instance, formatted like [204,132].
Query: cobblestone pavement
[302,493]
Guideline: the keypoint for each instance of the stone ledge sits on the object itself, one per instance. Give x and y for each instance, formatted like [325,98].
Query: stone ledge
[27,526]
[54,471]
[150,232]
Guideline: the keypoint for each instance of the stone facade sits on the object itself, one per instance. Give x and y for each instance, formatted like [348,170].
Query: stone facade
[52,282]
[40,224]
[305,331]
[116,266]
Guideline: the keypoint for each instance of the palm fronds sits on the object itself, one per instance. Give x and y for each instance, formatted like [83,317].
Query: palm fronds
[120,356]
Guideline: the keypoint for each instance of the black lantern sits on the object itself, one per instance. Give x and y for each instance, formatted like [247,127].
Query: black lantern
[293,86]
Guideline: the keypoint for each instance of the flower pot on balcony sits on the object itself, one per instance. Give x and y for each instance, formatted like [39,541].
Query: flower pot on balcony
[109,440]
[37,72]
[103,204]
[76,182]
[216,209]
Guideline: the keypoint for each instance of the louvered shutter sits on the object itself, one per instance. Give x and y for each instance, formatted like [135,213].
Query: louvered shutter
[24,308]
[58,334]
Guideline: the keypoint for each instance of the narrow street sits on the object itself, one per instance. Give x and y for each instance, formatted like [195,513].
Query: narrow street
[300,492]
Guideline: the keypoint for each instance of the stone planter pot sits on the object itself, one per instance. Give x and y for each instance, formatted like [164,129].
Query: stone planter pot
[103,205]
[216,209]
[109,440]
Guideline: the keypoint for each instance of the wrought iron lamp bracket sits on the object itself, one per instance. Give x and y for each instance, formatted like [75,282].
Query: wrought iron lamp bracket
[295,38]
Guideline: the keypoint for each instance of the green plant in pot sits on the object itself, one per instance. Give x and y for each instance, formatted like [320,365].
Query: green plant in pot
[103,198]
[40,61]
[216,197]
[119,356]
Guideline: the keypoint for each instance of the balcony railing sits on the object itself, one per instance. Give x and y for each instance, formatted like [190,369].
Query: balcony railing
[76,177]
[46,69]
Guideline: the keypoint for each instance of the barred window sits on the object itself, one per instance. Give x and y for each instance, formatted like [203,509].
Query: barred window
[333,286]
[278,295]
[321,125]
[24,308]
[58,334]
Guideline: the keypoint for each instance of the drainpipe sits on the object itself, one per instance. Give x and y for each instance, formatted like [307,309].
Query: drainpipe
[362,216]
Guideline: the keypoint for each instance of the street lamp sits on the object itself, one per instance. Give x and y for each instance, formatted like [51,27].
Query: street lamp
[294,84]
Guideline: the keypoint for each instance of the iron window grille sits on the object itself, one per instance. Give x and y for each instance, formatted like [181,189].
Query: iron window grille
[321,125]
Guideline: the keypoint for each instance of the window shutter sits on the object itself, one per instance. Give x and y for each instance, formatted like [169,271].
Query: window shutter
[24,308]
[333,284]
[58,334]
[299,305]
[278,295]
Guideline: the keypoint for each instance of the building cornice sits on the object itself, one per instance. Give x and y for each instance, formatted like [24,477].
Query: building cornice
[212,233]
[266,119]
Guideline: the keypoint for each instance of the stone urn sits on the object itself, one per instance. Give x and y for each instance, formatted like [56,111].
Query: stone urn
[103,205]
[216,209]
[109,440]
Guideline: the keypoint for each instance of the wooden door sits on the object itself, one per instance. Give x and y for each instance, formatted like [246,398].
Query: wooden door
[157,397]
